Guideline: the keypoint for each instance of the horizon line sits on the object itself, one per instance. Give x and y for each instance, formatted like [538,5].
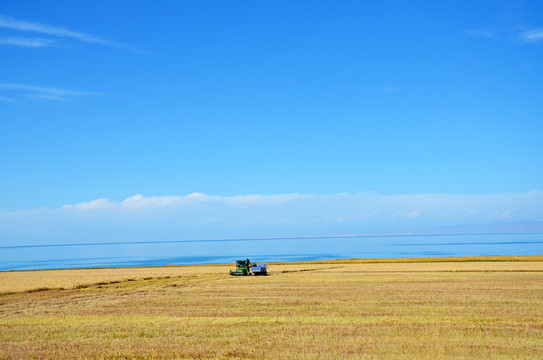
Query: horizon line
[275,238]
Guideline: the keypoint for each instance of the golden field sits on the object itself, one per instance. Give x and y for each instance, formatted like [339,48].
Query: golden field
[361,308]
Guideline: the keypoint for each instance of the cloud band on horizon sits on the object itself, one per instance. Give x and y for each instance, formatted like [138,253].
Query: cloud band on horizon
[196,215]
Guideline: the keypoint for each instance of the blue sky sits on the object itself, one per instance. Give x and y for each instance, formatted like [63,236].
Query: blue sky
[107,100]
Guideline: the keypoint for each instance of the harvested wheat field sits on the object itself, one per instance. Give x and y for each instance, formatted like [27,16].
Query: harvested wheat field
[441,308]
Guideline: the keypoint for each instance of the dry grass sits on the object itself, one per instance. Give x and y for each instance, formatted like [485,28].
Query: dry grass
[63,279]
[344,310]
[35,280]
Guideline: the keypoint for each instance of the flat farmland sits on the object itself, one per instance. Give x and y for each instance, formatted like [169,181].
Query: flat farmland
[406,309]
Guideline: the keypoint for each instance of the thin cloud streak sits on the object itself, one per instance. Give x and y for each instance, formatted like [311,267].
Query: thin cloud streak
[46,93]
[48,97]
[46,90]
[482,34]
[532,35]
[27,26]
[509,36]
[28,42]
[7,99]
[389,89]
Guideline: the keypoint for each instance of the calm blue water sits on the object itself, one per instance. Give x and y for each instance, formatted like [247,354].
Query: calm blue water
[264,250]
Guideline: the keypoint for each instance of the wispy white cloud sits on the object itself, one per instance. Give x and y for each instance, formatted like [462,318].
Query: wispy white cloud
[408,205]
[5,99]
[46,93]
[359,207]
[141,202]
[34,27]
[485,34]
[48,97]
[532,35]
[390,89]
[28,42]
[95,204]
[46,90]
[511,36]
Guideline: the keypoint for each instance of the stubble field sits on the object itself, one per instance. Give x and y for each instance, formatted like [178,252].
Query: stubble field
[350,309]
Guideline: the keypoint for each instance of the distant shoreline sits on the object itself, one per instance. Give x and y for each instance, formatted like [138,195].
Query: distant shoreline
[500,258]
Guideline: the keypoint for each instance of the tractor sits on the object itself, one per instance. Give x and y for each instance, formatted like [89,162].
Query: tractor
[246,268]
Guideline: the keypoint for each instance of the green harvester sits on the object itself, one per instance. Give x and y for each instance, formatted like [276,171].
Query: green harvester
[243,268]
[246,268]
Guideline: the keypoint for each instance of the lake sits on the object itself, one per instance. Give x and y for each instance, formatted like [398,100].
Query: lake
[53,256]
